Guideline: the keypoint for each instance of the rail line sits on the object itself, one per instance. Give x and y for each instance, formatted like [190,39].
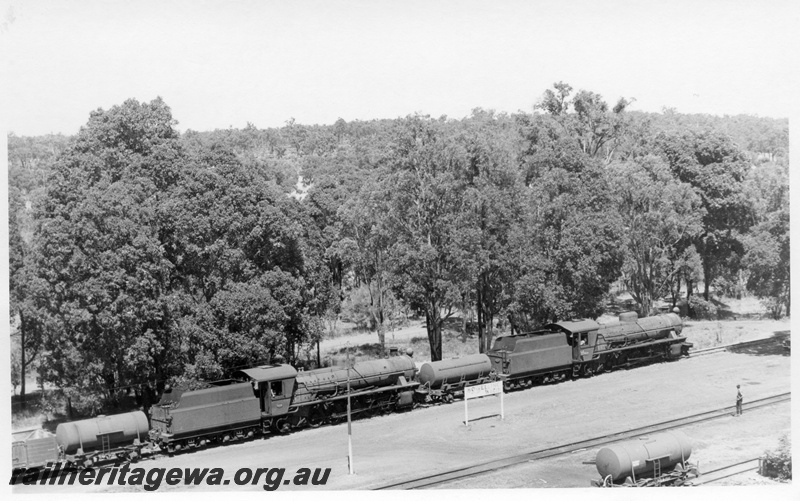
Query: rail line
[724,347]
[730,470]
[497,464]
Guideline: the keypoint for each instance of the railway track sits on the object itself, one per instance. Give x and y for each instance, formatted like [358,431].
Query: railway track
[725,347]
[730,470]
[497,464]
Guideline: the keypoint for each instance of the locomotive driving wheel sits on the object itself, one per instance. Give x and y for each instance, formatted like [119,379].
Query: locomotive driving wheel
[315,418]
[282,425]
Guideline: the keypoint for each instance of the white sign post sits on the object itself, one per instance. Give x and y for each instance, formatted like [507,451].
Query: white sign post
[483,390]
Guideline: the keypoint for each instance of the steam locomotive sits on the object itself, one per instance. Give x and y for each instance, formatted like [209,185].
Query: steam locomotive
[278,398]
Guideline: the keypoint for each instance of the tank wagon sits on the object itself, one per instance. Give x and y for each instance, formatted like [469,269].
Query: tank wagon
[660,459]
[114,437]
[584,347]
[445,379]
[277,398]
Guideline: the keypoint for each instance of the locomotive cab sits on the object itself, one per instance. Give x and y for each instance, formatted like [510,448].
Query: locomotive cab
[582,337]
[273,386]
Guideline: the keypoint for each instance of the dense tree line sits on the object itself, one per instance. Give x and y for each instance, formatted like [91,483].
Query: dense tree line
[140,256]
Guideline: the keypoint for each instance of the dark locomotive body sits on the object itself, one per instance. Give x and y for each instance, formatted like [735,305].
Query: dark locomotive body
[583,348]
[277,398]
[193,418]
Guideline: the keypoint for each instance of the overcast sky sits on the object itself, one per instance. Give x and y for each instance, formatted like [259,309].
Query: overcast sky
[221,64]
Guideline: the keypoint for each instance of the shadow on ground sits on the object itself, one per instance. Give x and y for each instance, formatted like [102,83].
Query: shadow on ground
[776,345]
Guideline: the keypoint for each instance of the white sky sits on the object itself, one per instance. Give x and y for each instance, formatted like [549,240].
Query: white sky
[219,64]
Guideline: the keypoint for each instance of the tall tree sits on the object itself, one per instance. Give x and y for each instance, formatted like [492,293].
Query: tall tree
[661,216]
[591,124]
[767,248]
[716,169]
[366,243]
[423,198]
[567,243]
[99,252]
[27,297]
[491,207]
[236,242]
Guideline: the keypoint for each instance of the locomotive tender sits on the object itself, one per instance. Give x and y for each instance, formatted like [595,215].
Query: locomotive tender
[278,398]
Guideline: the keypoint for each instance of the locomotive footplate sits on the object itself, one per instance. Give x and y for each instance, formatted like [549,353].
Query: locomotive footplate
[370,391]
[677,340]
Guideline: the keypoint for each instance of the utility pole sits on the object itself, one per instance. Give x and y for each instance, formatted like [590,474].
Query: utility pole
[349,425]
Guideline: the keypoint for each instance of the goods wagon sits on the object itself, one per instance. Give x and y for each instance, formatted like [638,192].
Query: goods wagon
[34,452]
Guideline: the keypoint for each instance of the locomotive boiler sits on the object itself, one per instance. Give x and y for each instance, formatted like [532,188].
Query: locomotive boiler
[290,399]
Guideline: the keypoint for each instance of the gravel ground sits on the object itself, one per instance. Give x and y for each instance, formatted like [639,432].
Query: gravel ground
[715,444]
[403,446]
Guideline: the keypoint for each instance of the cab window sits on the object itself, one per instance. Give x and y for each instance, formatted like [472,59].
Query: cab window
[276,388]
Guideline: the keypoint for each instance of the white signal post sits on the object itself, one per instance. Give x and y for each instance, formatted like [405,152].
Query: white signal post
[349,426]
[483,390]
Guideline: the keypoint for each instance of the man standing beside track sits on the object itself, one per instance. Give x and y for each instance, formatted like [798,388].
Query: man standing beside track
[738,401]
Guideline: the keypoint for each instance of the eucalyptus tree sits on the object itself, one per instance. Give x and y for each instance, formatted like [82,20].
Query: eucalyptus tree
[767,259]
[423,198]
[240,266]
[567,244]
[586,118]
[491,207]
[661,217]
[716,168]
[99,253]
